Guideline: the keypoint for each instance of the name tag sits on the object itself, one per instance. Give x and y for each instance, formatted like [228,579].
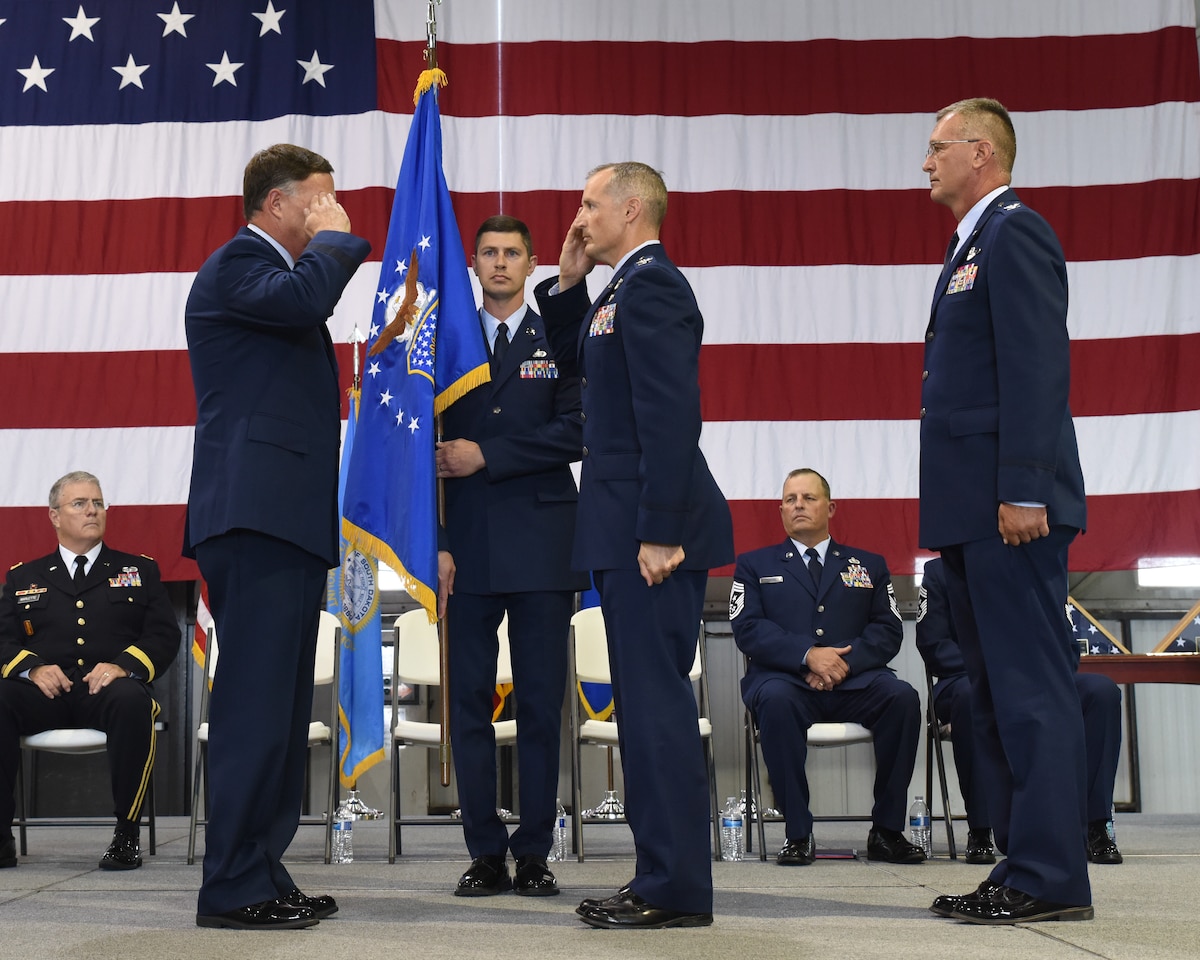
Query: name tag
[770,579]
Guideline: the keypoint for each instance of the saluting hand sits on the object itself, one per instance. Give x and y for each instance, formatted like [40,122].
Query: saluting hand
[325,213]
[573,262]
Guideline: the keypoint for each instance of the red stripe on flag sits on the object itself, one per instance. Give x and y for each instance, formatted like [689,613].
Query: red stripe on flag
[153,530]
[800,77]
[757,228]
[1118,536]
[741,381]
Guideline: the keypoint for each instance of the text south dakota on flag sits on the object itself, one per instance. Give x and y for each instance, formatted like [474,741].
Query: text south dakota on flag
[424,352]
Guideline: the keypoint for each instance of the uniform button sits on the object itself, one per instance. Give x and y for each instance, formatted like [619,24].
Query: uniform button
[495,409]
[79,640]
[81,622]
[585,451]
[80,662]
[922,413]
[929,335]
[129,599]
[924,374]
[821,608]
[820,632]
[582,417]
[79,604]
[583,382]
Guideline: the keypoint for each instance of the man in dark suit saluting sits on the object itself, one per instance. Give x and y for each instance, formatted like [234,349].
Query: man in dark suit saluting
[1002,498]
[510,521]
[262,518]
[651,524]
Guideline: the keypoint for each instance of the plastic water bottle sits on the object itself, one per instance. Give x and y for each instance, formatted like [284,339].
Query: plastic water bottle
[918,826]
[558,847]
[343,834]
[733,832]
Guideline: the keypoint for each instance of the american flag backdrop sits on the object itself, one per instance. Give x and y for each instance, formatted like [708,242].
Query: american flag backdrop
[790,133]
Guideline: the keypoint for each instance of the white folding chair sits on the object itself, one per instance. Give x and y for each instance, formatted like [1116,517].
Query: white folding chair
[320,732]
[589,664]
[416,661]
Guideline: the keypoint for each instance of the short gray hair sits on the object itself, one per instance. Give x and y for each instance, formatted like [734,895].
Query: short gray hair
[75,476]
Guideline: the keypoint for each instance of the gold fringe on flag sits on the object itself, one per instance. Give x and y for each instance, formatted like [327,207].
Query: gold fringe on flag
[426,80]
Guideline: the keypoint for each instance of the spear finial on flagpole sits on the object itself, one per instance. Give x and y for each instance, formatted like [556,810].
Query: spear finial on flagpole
[431,74]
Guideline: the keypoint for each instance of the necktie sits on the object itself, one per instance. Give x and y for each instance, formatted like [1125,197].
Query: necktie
[500,347]
[950,250]
[814,565]
[80,563]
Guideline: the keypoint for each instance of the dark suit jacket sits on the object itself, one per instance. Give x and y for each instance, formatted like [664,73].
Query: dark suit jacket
[510,526]
[121,612]
[995,425]
[643,478]
[778,615]
[267,404]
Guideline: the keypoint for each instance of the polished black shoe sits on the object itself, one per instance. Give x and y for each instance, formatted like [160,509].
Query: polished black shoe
[797,853]
[621,896]
[891,846]
[534,879]
[323,907]
[268,915]
[1101,843]
[635,913]
[946,904]
[1007,906]
[979,846]
[485,877]
[122,854]
[8,852]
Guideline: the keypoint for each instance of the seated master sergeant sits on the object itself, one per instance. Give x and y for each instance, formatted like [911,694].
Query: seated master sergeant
[1099,698]
[82,633]
[818,623]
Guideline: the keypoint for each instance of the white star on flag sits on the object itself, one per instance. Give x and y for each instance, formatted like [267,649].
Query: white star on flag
[314,69]
[224,70]
[35,75]
[381,296]
[131,73]
[174,21]
[81,25]
[424,244]
[269,19]
[373,370]
[413,426]
[385,398]
[399,418]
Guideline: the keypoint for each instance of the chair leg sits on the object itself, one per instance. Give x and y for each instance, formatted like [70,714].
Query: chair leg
[759,800]
[332,794]
[941,767]
[199,775]
[21,799]
[577,805]
[393,805]
[710,764]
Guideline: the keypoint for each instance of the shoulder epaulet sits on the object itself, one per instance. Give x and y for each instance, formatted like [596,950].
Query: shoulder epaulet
[146,555]
[17,564]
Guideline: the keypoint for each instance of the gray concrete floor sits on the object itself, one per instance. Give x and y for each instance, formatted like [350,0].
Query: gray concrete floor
[57,904]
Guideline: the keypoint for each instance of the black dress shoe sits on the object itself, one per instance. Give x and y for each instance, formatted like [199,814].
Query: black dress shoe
[268,915]
[797,853]
[636,914]
[1101,843]
[891,846]
[122,854]
[1007,906]
[485,877]
[946,904]
[8,852]
[979,846]
[619,897]
[323,907]
[534,879]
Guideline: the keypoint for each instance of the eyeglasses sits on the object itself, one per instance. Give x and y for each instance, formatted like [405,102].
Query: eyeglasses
[80,504]
[937,146]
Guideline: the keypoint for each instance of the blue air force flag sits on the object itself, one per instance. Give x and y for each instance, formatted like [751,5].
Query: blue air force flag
[424,352]
[353,597]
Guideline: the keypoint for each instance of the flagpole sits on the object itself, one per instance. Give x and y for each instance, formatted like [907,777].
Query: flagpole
[443,624]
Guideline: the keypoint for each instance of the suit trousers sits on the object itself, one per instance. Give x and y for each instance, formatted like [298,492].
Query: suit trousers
[652,633]
[538,628]
[1009,610]
[887,706]
[266,596]
[125,710]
